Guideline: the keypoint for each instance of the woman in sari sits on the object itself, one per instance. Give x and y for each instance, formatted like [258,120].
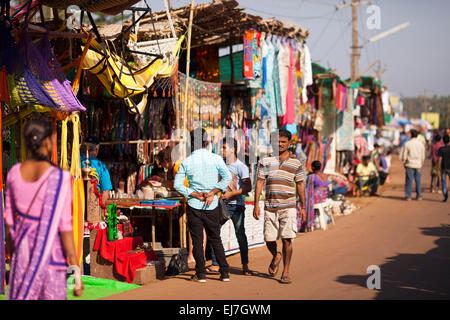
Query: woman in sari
[316,192]
[39,221]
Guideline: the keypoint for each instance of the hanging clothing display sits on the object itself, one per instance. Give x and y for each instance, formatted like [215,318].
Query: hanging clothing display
[248,55]
[344,134]
[306,70]
[203,103]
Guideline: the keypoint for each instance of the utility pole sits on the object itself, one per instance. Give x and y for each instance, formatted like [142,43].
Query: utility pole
[354,65]
[355,49]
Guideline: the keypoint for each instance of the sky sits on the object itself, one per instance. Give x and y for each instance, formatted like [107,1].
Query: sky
[415,60]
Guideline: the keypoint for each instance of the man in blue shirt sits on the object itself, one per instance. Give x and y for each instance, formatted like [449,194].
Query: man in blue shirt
[100,168]
[202,168]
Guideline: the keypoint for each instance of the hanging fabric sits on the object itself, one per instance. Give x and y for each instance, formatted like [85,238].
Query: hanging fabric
[78,190]
[64,164]
[248,55]
[113,72]
[55,143]
[2,222]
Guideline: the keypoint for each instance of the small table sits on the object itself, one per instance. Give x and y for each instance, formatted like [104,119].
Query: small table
[152,210]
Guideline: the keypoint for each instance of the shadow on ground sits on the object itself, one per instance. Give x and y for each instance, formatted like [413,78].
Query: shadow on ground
[414,276]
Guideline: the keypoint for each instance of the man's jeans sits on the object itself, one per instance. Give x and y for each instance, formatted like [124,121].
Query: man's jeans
[237,214]
[413,174]
[444,175]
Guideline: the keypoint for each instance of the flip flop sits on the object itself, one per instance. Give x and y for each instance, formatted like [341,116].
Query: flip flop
[274,265]
[211,270]
[285,280]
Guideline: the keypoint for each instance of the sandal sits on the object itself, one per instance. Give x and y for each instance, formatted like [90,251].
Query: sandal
[212,270]
[285,280]
[274,265]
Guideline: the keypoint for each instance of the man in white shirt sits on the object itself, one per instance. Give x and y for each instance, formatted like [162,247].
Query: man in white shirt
[413,157]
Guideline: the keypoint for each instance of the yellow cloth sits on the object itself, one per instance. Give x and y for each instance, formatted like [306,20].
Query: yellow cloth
[109,69]
[365,172]
[78,191]
[176,167]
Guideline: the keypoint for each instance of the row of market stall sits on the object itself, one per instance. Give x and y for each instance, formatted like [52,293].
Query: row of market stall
[139,86]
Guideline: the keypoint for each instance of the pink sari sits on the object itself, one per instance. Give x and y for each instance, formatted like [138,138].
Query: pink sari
[38,258]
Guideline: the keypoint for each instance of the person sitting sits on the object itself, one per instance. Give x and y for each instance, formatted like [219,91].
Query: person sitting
[367,175]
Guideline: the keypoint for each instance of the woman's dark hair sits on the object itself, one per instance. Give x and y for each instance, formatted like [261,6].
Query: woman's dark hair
[438,137]
[35,132]
[316,165]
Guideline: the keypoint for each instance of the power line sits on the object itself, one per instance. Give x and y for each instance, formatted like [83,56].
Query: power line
[292,17]
[323,31]
[338,38]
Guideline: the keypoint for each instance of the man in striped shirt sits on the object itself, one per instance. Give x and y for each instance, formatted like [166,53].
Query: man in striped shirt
[283,177]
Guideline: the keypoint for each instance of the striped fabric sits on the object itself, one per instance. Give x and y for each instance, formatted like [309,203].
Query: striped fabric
[280,181]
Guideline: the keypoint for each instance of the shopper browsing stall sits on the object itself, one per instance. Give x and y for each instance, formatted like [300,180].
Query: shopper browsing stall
[104,179]
[202,168]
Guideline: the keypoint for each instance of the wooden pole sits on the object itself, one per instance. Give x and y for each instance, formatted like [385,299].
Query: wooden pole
[355,52]
[188,58]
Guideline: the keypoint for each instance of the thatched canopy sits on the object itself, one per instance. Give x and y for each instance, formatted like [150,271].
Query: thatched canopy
[217,22]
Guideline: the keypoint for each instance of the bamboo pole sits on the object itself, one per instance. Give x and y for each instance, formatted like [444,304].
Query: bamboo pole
[138,141]
[188,57]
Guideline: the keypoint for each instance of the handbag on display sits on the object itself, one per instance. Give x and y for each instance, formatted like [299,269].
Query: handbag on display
[224,215]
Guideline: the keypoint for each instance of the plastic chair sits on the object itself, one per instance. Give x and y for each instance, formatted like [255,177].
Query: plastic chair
[322,219]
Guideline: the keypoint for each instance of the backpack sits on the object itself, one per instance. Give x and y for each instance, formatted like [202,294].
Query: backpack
[177,265]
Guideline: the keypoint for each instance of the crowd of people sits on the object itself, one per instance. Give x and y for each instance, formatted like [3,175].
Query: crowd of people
[38,201]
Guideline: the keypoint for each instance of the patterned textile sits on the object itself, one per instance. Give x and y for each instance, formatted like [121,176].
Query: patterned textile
[280,181]
[309,195]
[345,127]
[204,103]
[320,190]
[248,55]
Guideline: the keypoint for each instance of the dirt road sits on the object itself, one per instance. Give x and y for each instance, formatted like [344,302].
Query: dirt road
[409,241]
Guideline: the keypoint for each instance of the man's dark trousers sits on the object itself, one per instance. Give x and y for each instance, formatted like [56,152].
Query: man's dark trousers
[209,220]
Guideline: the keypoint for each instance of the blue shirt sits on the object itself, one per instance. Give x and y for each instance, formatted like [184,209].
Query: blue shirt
[202,168]
[238,171]
[103,173]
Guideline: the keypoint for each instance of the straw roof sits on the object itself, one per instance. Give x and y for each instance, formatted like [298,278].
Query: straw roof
[214,23]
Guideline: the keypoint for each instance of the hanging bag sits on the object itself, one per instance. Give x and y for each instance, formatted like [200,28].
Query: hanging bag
[45,83]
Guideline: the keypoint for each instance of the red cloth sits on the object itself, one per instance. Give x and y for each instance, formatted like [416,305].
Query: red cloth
[125,263]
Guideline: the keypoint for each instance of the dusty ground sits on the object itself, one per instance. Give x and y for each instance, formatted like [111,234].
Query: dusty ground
[409,241]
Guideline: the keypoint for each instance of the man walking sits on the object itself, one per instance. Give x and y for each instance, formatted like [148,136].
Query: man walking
[202,168]
[413,157]
[234,200]
[444,165]
[282,176]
